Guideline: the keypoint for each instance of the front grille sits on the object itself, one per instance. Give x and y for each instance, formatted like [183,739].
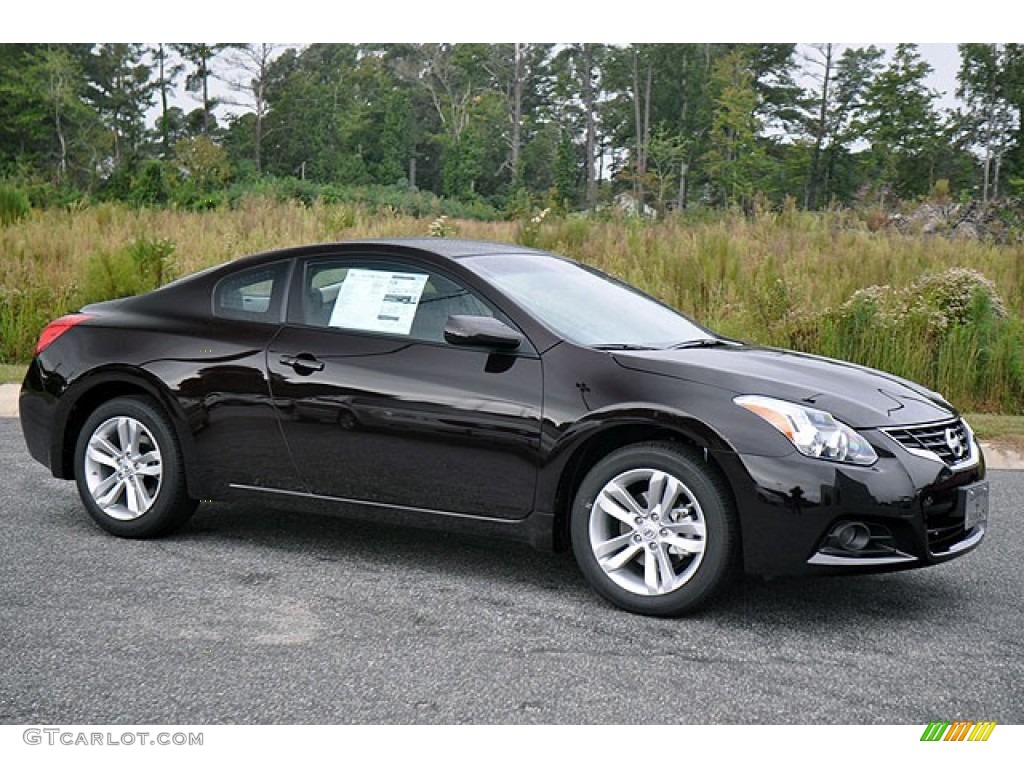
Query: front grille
[940,439]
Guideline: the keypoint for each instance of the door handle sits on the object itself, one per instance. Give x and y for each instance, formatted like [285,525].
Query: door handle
[304,363]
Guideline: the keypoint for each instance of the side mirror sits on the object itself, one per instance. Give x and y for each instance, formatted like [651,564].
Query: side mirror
[479,331]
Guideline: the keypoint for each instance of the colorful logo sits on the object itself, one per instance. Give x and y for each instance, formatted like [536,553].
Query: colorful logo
[958,730]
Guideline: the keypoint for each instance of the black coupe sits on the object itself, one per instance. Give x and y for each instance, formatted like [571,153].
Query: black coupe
[503,391]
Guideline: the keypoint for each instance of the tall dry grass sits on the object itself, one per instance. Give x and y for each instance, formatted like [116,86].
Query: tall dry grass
[780,278]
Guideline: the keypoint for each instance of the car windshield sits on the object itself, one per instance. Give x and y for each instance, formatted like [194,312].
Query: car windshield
[586,306]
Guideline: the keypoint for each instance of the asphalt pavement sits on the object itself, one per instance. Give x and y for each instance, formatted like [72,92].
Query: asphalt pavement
[254,615]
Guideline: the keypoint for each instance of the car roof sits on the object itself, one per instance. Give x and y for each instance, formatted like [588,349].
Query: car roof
[440,248]
[449,248]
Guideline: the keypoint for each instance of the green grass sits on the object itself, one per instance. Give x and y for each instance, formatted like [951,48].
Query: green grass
[11,374]
[998,429]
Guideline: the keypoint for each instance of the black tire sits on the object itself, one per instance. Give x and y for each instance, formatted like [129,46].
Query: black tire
[692,553]
[132,481]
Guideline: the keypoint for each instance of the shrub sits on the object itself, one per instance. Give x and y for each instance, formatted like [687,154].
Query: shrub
[153,259]
[14,205]
[949,330]
[151,186]
[144,264]
[24,312]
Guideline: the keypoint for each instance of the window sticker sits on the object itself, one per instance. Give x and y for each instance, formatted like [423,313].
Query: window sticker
[371,300]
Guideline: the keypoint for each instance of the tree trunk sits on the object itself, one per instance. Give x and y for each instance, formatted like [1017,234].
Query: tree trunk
[588,107]
[995,180]
[683,183]
[206,95]
[517,111]
[164,138]
[643,127]
[811,200]
[261,106]
[638,160]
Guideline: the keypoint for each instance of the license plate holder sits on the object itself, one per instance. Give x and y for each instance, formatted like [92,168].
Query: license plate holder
[973,500]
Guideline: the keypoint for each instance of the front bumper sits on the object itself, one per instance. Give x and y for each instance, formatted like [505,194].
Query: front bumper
[908,509]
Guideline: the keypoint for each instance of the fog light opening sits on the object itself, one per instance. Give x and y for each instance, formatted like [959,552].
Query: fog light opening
[852,537]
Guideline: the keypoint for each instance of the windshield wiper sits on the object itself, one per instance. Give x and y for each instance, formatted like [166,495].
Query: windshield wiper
[710,342]
[620,347]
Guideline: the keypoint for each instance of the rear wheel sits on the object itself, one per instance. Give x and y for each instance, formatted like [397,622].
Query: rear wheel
[654,529]
[129,470]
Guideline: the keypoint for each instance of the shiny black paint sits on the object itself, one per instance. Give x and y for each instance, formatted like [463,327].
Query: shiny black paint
[414,424]
[492,443]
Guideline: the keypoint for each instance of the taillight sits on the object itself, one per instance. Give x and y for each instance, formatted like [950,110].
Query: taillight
[57,328]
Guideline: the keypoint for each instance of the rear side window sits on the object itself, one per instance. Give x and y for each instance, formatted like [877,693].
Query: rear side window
[254,294]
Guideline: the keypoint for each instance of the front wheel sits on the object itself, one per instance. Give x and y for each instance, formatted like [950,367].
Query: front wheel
[129,470]
[654,529]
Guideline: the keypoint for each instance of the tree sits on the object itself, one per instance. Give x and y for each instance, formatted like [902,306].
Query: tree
[204,163]
[990,121]
[772,67]
[736,161]
[821,124]
[519,72]
[315,119]
[667,154]
[902,125]
[456,81]
[247,77]
[120,89]
[46,107]
[201,56]
[168,72]
[576,75]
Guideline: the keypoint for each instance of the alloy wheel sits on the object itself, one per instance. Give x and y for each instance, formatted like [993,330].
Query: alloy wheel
[123,468]
[647,531]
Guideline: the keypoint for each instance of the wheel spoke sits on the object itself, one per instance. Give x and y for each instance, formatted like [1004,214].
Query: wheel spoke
[102,444]
[626,555]
[132,500]
[149,464]
[106,499]
[99,454]
[133,437]
[105,485]
[124,433]
[606,548]
[650,571]
[662,491]
[665,569]
[141,494]
[689,546]
[616,502]
[687,528]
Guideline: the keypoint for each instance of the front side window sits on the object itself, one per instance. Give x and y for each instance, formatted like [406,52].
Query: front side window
[379,297]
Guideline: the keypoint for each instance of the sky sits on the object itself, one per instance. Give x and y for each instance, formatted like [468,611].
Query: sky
[608,21]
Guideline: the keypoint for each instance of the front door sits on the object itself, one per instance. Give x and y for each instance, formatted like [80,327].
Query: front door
[376,407]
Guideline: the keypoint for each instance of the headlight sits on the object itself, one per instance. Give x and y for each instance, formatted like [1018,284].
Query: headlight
[814,433]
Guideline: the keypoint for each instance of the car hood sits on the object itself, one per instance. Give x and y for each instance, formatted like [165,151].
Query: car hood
[861,397]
